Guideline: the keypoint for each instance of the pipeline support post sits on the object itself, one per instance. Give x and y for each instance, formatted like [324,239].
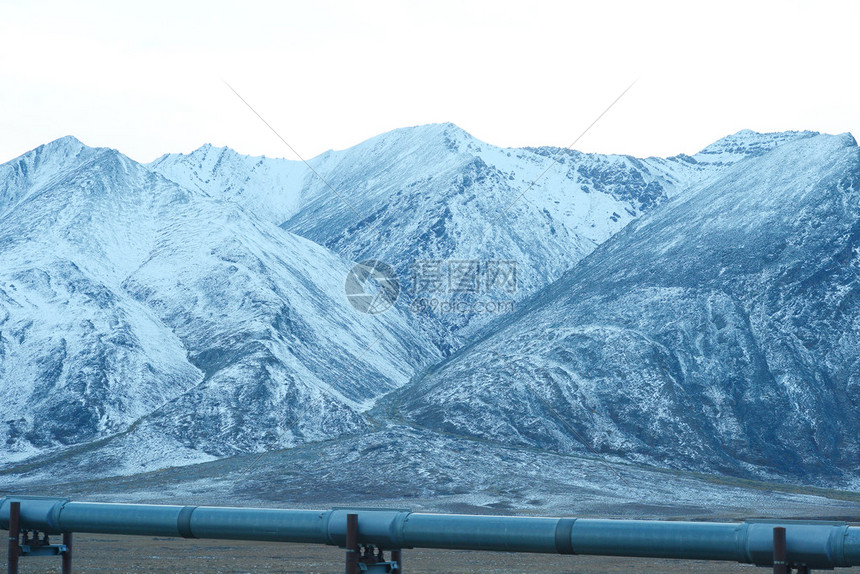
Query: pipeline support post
[780,557]
[67,554]
[352,544]
[397,558]
[26,540]
[14,536]
[367,557]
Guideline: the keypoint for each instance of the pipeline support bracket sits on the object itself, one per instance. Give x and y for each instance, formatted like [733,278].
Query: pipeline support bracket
[368,558]
[29,543]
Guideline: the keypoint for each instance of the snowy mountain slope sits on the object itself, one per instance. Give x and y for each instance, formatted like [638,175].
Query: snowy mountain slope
[271,188]
[69,349]
[146,323]
[746,144]
[37,169]
[720,332]
[434,192]
[133,305]
[426,471]
[702,168]
[79,359]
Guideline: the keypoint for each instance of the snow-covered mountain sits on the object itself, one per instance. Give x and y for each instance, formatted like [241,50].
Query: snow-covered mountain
[720,332]
[177,323]
[435,193]
[194,308]
[271,188]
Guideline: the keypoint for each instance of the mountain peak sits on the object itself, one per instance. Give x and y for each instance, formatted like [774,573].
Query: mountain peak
[447,129]
[430,132]
[206,156]
[849,138]
[67,140]
[208,149]
[38,167]
[747,143]
[441,138]
[66,145]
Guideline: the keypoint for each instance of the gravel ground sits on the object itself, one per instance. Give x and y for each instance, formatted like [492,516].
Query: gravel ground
[141,554]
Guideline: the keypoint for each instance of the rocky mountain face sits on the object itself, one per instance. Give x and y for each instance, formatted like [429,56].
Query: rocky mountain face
[719,332]
[133,308]
[695,312]
[436,194]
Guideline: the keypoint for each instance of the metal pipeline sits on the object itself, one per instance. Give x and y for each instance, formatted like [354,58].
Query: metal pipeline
[816,544]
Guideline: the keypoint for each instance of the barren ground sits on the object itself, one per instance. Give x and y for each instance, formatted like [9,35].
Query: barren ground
[145,554]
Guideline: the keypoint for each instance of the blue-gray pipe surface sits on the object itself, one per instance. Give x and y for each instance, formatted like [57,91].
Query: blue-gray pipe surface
[816,544]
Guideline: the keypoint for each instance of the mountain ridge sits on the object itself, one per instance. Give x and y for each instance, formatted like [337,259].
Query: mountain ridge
[455,188]
[585,293]
[145,305]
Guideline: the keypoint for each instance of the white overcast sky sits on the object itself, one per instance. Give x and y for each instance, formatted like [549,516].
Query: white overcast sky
[146,77]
